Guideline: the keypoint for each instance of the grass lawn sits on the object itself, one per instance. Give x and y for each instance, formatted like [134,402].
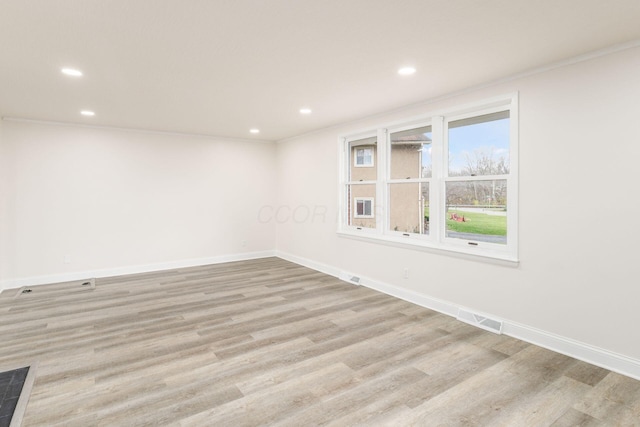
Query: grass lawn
[478,223]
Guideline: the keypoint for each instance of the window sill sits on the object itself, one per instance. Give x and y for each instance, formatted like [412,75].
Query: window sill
[471,253]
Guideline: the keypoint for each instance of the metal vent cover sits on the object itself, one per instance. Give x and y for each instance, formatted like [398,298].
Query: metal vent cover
[349,278]
[486,323]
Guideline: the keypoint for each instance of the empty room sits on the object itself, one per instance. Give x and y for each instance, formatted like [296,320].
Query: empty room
[301,213]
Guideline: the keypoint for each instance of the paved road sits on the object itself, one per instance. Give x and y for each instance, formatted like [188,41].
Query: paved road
[478,237]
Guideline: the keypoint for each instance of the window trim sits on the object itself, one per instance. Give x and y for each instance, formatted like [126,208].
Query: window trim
[436,240]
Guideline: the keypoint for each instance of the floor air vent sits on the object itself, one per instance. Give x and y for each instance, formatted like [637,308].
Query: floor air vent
[347,277]
[91,283]
[491,325]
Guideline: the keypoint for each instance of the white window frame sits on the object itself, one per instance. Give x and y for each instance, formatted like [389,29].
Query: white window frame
[436,239]
[364,165]
[364,199]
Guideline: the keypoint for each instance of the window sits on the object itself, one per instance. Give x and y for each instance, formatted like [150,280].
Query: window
[361,185]
[364,157]
[476,183]
[408,181]
[364,207]
[447,181]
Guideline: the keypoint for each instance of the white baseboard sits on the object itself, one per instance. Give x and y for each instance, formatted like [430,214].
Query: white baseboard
[596,356]
[323,268]
[119,271]
[407,295]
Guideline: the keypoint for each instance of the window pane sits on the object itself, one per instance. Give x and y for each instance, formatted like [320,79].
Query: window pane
[479,145]
[362,154]
[409,207]
[364,208]
[361,205]
[477,210]
[411,153]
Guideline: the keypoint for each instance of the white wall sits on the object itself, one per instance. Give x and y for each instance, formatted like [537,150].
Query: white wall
[4,209]
[579,209]
[110,199]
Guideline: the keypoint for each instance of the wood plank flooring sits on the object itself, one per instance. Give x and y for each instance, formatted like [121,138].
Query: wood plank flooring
[268,342]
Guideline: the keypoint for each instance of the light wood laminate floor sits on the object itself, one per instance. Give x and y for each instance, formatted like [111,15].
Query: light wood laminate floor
[268,342]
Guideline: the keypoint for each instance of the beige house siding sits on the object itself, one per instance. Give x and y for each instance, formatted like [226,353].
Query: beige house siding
[405,207]
[362,173]
[406,203]
[405,161]
[405,200]
[363,191]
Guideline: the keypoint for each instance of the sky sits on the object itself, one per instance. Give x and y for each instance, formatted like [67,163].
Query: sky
[465,140]
[481,136]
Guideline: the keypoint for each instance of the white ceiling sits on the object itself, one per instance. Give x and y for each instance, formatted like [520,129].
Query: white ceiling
[221,67]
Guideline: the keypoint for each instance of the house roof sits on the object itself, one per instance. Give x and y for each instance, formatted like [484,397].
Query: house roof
[411,139]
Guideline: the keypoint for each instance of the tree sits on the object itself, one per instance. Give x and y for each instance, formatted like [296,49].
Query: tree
[481,162]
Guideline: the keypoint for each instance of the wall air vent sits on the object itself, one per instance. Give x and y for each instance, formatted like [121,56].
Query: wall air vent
[486,323]
[349,278]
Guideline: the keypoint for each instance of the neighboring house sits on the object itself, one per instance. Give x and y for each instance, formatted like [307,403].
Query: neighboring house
[406,207]
[363,168]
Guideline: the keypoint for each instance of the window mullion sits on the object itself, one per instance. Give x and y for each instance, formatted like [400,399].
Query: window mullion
[476,178]
[436,190]
[382,199]
[405,181]
[362,182]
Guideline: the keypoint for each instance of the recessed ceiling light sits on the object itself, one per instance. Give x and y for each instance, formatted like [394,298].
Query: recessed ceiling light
[406,71]
[72,72]
[254,130]
[305,111]
[87,113]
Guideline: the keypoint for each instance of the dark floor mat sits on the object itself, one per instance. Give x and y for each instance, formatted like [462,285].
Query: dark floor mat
[11,384]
